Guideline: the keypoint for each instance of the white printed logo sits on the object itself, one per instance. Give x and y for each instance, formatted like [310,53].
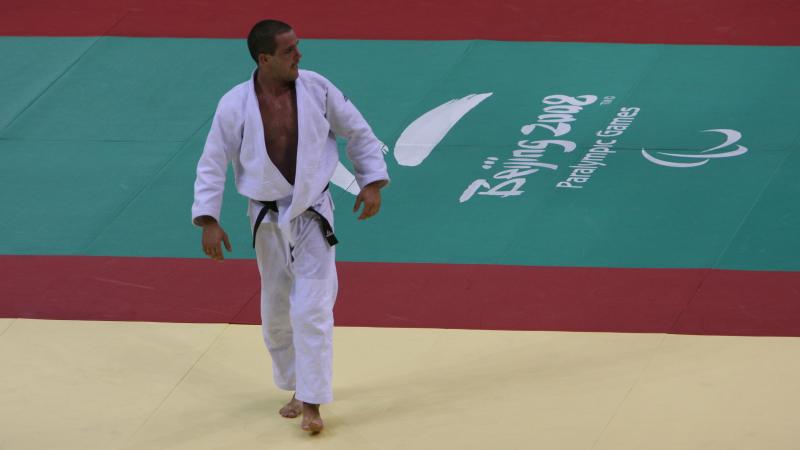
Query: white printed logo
[419,139]
[508,175]
[423,135]
[731,137]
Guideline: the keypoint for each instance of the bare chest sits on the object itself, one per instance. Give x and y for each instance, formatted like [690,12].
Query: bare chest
[279,118]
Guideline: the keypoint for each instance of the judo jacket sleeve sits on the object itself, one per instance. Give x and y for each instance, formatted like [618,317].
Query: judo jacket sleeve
[224,138]
[364,150]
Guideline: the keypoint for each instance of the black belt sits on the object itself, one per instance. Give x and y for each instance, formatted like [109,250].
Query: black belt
[327,229]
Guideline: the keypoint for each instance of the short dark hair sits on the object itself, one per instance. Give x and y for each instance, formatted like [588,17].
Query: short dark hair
[262,37]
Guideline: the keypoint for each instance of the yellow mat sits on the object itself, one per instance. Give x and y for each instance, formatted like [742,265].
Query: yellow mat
[116,385]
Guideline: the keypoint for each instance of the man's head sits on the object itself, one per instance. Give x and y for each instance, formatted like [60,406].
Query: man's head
[273,46]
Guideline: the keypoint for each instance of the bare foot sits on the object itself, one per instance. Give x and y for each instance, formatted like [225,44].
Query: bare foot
[312,421]
[292,409]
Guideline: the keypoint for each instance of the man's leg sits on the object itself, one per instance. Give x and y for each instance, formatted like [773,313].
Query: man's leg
[272,254]
[312,298]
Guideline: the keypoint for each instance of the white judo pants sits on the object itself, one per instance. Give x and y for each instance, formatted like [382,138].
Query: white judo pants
[298,290]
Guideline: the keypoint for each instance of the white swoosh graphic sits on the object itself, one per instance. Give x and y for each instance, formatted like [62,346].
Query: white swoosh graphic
[344,179]
[423,135]
[740,150]
[731,136]
[661,162]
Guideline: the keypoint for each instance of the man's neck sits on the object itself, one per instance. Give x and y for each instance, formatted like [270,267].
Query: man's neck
[268,85]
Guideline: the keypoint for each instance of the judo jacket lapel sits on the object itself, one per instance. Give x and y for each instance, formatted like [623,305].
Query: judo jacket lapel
[313,132]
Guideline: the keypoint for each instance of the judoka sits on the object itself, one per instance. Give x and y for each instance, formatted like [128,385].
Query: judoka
[278,129]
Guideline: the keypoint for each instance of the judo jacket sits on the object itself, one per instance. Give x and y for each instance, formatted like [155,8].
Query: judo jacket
[237,137]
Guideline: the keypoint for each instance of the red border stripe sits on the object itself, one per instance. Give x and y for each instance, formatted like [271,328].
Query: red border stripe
[768,22]
[686,301]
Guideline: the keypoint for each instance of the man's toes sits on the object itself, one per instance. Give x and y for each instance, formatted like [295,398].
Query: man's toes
[290,414]
[290,411]
[316,425]
[313,425]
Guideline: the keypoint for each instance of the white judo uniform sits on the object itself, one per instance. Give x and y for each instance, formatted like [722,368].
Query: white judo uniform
[296,262]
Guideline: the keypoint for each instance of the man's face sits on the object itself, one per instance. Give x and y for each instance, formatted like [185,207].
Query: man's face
[283,64]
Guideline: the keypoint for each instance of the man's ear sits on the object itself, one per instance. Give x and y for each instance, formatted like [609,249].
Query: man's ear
[263,58]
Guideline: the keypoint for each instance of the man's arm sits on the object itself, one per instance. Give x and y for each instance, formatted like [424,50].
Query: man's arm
[210,182]
[364,150]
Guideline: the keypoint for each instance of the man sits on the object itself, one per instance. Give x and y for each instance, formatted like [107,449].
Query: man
[278,130]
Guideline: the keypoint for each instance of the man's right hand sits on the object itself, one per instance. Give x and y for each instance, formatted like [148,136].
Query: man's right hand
[213,236]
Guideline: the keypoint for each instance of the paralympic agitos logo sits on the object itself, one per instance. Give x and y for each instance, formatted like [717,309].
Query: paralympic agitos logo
[418,140]
[699,159]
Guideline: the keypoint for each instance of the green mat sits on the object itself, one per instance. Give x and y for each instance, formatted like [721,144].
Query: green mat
[100,138]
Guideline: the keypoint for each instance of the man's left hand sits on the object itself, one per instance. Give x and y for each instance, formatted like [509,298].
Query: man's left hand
[370,196]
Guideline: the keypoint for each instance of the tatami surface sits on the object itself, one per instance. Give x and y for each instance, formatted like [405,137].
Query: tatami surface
[124,385]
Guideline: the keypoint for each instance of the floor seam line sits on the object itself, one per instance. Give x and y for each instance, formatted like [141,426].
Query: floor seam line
[750,211]
[61,75]
[715,265]
[144,187]
[627,394]
[13,321]
[671,329]
[256,293]
[622,99]
[408,120]
[174,388]
[49,85]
